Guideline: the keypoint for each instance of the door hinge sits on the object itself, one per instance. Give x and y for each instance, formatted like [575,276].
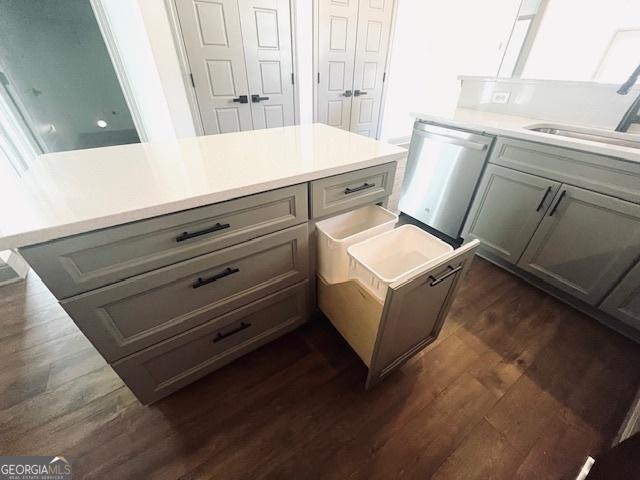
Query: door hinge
[193,84]
[318,77]
[384,76]
[4,80]
[292,79]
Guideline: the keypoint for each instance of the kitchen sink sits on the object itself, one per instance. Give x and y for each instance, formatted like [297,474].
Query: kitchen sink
[592,134]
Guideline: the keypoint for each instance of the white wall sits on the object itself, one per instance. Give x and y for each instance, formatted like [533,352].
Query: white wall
[157,24]
[436,41]
[581,103]
[303,31]
[125,21]
[59,69]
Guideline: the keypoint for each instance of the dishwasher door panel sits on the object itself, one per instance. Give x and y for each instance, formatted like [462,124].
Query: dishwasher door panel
[443,169]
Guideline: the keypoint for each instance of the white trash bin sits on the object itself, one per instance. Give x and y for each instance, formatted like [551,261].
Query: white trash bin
[393,256]
[337,234]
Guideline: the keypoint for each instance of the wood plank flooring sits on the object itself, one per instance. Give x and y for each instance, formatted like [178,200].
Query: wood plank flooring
[518,386]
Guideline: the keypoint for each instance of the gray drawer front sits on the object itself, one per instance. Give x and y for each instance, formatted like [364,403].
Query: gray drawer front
[164,368]
[131,315]
[343,192]
[606,175]
[85,262]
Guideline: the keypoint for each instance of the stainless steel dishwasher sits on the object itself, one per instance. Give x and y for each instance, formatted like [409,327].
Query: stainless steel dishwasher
[443,169]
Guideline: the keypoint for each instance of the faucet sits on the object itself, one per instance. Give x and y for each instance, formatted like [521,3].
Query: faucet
[632,115]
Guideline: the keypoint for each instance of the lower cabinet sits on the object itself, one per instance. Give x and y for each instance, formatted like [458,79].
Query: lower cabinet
[387,333]
[128,316]
[507,209]
[585,243]
[167,366]
[624,301]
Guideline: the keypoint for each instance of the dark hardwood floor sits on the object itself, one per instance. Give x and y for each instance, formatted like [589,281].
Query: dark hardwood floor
[518,386]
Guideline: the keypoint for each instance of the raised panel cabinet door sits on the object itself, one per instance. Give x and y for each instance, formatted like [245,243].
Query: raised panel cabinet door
[374,28]
[414,312]
[507,209]
[213,41]
[585,244]
[337,20]
[624,301]
[266,31]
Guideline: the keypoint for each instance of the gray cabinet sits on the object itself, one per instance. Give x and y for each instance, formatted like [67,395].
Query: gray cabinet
[585,244]
[624,301]
[77,264]
[387,334]
[167,366]
[347,191]
[123,318]
[169,299]
[507,209]
[601,174]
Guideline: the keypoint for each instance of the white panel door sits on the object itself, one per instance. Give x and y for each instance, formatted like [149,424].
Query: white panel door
[374,27]
[337,28]
[266,30]
[213,41]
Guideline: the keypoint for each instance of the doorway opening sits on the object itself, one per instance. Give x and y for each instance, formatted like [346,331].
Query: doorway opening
[58,88]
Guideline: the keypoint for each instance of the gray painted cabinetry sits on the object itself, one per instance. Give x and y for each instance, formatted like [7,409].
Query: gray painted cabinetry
[507,210]
[84,262]
[585,244]
[569,218]
[624,301]
[172,298]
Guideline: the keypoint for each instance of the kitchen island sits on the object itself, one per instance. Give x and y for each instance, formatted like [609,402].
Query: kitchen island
[175,258]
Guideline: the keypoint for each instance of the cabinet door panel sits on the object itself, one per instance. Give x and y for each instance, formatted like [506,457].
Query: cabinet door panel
[624,301]
[414,312]
[507,210]
[585,244]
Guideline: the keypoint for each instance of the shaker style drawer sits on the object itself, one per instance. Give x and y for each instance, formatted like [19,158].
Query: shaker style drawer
[88,261]
[343,192]
[607,175]
[167,366]
[131,315]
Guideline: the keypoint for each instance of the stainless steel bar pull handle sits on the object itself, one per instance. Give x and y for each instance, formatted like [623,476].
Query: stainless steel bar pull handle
[205,281]
[544,199]
[452,271]
[438,137]
[364,186]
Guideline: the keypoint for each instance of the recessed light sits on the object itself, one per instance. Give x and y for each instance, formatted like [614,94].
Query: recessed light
[102,123]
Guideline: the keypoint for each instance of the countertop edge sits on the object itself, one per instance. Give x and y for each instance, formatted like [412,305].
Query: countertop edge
[618,153]
[44,235]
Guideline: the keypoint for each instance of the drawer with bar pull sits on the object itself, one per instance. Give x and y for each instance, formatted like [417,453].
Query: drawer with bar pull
[88,261]
[128,316]
[344,192]
[167,366]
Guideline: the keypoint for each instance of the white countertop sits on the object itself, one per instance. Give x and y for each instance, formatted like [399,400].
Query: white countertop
[74,192]
[513,126]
